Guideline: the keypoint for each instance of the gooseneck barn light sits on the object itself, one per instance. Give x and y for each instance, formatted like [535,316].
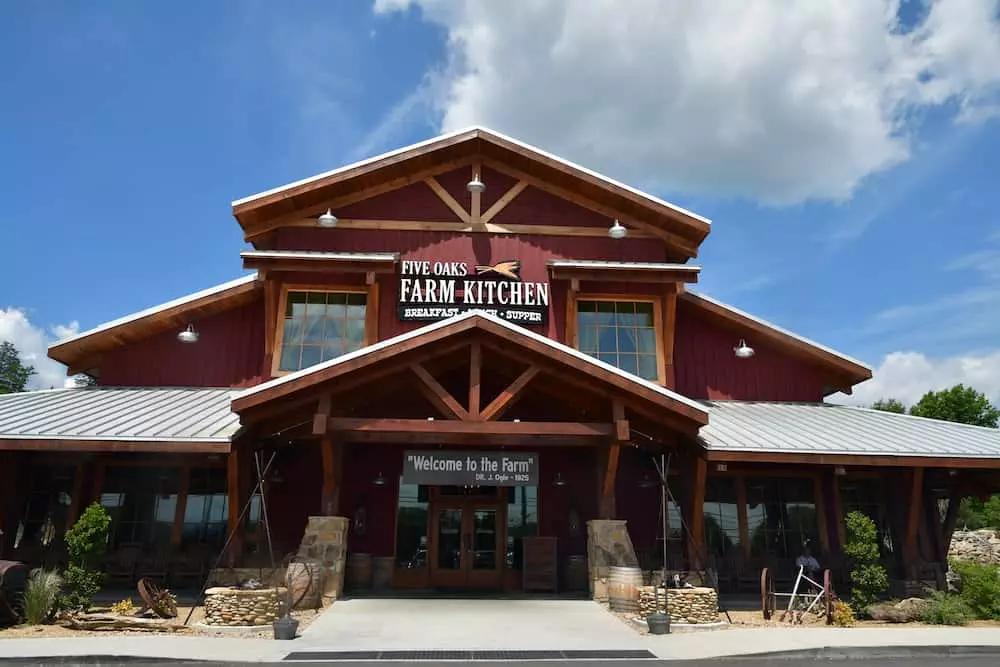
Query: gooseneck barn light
[742,350]
[328,219]
[617,230]
[189,335]
[475,185]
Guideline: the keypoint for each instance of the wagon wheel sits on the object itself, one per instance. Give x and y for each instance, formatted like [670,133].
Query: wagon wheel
[767,596]
[828,596]
[157,600]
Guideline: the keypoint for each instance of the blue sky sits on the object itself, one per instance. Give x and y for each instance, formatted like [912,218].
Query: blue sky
[848,162]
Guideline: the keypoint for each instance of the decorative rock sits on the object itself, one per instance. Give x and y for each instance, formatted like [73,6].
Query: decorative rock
[232,606]
[980,546]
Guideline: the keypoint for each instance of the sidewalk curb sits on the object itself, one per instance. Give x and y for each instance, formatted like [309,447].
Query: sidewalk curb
[869,652]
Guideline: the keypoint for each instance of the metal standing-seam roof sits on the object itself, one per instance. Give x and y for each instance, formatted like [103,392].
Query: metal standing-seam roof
[120,414]
[827,429]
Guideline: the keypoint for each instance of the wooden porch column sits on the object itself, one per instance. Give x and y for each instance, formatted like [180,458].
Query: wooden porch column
[838,512]
[915,502]
[76,501]
[950,518]
[742,513]
[233,464]
[177,530]
[607,469]
[696,513]
[332,453]
[821,523]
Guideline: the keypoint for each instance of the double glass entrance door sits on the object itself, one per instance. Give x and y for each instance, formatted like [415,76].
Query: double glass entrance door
[466,542]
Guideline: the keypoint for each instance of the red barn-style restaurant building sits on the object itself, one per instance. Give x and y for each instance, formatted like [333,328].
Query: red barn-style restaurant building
[466,358]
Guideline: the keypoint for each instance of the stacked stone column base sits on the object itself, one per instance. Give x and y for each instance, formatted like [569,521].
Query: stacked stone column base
[323,549]
[608,545]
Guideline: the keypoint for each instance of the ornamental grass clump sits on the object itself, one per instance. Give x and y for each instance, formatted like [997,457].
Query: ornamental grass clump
[86,543]
[41,595]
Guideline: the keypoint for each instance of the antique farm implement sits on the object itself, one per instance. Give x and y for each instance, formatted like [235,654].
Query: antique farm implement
[807,596]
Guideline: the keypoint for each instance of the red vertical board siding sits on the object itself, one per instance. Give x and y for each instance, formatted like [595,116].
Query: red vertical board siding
[497,185]
[229,352]
[537,207]
[706,368]
[413,202]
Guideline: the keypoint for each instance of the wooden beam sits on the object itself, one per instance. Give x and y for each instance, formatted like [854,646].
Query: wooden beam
[838,512]
[475,204]
[507,397]
[449,201]
[913,518]
[165,447]
[742,514]
[475,388]
[622,431]
[669,332]
[696,545]
[322,415]
[608,509]
[272,294]
[177,530]
[439,397]
[623,275]
[478,428]
[821,523]
[233,464]
[723,456]
[502,203]
[456,227]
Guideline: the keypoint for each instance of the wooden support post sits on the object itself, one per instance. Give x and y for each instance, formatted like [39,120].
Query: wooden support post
[821,524]
[321,420]
[950,517]
[76,501]
[333,456]
[476,202]
[571,333]
[696,522]
[669,322]
[622,432]
[438,396]
[475,370]
[233,464]
[97,482]
[507,397]
[913,520]
[838,512]
[177,531]
[272,294]
[608,508]
[372,306]
[501,203]
[742,514]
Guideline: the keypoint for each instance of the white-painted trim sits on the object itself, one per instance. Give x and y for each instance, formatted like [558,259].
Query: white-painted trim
[128,319]
[519,330]
[476,129]
[387,257]
[777,329]
[624,266]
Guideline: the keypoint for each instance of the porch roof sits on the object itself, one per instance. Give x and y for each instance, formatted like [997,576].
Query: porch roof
[162,419]
[813,433]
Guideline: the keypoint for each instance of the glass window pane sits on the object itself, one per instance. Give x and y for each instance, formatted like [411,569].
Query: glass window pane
[644,314]
[334,329]
[311,355]
[646,340]
[628,363]
[609,358]
[293,331]
[336,298]
[626,340]
[356,311]
[625,313]
[586,307]
[607,340]
[605,312]
[356,333]
[337,310]
[587,339]
[332,351]
[357,299]
[295,305]
[290,358]
[313,328]
[647,368]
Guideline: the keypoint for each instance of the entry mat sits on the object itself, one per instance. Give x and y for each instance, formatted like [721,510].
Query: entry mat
[466,656]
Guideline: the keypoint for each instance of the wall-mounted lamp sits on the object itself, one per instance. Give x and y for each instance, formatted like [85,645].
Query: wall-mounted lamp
[742,350]
[475,186]
[379,479]
[617,230]
[328,219]
[558,481]
[189,335]
[839,471]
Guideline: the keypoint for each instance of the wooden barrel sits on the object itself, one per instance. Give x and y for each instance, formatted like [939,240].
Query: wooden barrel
[623,588]
[359,571]
[576,573]
[382,573]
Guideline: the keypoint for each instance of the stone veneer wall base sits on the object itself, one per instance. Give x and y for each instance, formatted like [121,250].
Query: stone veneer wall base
[608,545]
[324,543]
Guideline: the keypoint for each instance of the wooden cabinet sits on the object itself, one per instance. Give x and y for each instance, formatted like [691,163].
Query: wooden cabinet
[541,564]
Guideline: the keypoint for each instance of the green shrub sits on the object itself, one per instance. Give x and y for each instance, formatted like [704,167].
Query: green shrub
[869,580]
[41,593]
[86,542]
[980,588]
[947,609]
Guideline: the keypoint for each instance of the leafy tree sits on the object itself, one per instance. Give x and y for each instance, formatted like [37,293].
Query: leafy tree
[889,405]
[869,580]
[14,374]
[959,404]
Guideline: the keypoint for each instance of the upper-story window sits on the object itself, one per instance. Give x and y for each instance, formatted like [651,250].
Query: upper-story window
[622,333]
[319,325]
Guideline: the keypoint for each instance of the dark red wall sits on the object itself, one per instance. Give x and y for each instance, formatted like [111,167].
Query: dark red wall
[229,352]
[705,367]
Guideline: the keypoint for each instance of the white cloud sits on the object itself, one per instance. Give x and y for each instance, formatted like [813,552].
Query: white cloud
[780,100]
[32,343]
[907,376]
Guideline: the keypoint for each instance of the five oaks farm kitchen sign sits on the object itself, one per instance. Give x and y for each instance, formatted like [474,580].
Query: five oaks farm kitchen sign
[471,468]
[430,291]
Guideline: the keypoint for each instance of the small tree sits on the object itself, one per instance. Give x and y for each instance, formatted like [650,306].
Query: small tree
[959,404]
[869,580]
[86,542]
[14,374]
[889,405]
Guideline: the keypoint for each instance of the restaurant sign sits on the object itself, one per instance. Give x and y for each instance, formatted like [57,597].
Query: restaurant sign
[470,468]
[431,291]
